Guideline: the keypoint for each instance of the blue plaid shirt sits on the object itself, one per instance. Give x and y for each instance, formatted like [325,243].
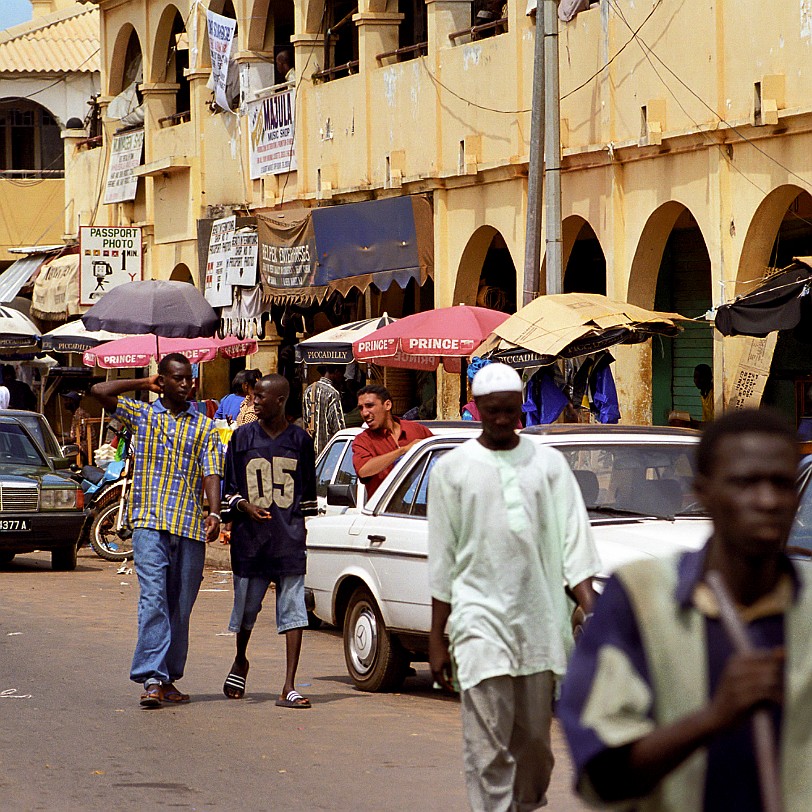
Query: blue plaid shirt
[172,456]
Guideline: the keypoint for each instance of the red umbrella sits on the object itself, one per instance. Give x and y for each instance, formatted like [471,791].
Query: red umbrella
[139,350]
[424,340]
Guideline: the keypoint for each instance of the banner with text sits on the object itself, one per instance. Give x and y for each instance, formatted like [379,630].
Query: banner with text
[221,32]
[242,264]
[218,291]
[109,257]
[271,132]
[125,158]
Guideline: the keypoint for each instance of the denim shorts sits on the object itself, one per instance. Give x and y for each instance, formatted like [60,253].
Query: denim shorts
[290,602]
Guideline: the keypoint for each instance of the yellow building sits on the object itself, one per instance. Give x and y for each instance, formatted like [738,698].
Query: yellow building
[685,141]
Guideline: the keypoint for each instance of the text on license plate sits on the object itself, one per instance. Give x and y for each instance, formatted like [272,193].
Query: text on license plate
[14,525]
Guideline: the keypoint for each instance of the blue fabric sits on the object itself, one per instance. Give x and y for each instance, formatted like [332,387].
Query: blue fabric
[229,407]
[475,364]
[545,401]
[605,396]
[170,571]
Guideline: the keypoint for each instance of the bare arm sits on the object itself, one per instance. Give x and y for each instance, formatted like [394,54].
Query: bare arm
[211,487]
[585,595]
[749,681]
[107,392]
[439,656]
[378,464]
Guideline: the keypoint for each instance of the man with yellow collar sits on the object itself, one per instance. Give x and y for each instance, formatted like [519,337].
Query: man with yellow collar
[656,706]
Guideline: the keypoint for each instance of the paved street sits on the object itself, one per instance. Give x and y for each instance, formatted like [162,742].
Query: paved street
[74,737]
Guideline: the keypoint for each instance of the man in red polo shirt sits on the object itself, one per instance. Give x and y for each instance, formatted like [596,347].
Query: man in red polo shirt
[387,438]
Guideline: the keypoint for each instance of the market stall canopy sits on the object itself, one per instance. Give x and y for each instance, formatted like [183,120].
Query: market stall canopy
[137,351]
[777,304]
[75,337]
[157,306]
[334,346]
[19,274]
[306,254]
[568,325]
[425,340]
[17,332]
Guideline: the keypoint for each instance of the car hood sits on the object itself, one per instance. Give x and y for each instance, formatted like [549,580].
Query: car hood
[11,475]
[620,543]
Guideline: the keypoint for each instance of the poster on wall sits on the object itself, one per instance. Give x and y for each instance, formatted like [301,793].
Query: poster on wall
[109,257]
[750,378]
[221,33]
[218,290]
[125,158]
[242,264]
[271,132]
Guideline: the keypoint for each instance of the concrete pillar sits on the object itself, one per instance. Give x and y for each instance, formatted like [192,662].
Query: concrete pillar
[377,34]
[70,144]
[159,102]
[443,18]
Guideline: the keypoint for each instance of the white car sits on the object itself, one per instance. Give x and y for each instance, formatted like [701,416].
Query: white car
[367,569]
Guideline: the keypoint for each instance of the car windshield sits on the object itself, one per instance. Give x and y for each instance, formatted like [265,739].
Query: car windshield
[41,432]
[635,479]
[17,448]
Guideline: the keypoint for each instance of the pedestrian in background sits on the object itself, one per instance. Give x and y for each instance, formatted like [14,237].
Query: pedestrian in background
[229,407]
[656,706]
[379,447]
[507,530]
[178,457]
[246,413]
[322,412]
[270,486]
[78,432]
[20,394]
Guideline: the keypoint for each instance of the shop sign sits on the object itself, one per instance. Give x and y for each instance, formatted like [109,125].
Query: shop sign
[752,372]
[221,32]
[125,158]
[218,290]
[271,132]
[287,253]
[242,264]
[109,257]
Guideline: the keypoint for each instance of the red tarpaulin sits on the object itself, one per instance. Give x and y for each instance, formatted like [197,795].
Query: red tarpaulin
[138,351]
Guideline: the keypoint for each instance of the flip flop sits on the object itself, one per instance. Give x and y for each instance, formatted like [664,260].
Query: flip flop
[236,684]
[169,693]
[293,700]
[151,698]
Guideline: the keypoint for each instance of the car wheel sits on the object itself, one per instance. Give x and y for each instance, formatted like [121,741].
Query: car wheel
[104,539]
[375,660]
[6,557]
[64,560]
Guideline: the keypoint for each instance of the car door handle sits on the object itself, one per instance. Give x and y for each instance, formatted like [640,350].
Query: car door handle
[377,539]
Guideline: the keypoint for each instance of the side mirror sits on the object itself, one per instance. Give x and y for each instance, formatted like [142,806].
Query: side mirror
[64,463]
[70,450]
[341,495]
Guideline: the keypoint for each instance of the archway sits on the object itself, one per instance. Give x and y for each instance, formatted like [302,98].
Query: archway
[585,262]
[270,29]
[487,274]
[170,59]
[30,140]
[683,285]
[126,65]
[181,273]
[780,230]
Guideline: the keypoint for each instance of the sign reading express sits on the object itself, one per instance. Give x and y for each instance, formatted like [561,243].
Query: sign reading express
[109,257]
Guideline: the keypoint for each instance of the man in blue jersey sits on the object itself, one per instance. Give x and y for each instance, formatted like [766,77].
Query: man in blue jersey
[270,486]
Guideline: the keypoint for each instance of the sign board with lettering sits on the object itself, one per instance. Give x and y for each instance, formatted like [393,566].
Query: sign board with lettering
[271,132]
[747,384]
[109,257]
[242,264]
[218,290]
[125,158]
[221,32]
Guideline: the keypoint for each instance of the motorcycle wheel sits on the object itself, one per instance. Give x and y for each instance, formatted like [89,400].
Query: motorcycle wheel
[104,539]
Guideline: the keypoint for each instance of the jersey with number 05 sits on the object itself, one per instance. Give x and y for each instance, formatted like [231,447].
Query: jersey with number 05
[277,474]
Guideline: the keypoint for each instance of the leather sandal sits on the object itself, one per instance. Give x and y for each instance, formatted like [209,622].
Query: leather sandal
[152,696]
[169,693]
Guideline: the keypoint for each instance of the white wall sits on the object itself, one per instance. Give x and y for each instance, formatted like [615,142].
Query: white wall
[64,97]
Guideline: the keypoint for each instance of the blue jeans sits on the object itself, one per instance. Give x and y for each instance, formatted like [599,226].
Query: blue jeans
[249,593]
[170,571]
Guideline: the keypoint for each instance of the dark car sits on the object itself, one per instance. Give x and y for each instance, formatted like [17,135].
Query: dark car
[40,429]
[40,508]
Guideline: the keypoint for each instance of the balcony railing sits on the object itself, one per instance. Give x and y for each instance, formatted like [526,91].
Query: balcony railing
[476,32]
[407,52]
[336,72]
[176,118]
[31,174]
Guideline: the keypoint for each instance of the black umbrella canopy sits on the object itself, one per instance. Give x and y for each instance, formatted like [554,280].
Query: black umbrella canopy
[163,308]
[776,305]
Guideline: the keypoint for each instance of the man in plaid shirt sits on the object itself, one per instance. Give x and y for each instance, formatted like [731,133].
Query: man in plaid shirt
[178,457]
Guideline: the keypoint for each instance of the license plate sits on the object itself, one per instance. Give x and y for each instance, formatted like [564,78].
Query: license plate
[14,525]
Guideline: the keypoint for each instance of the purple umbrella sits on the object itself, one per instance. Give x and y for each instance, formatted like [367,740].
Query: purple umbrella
[163,308]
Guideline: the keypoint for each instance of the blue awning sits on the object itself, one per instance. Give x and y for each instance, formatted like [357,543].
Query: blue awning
[337,248]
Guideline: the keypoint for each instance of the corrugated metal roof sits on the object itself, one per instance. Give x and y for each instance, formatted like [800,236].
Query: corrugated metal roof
[66,41]
[18,274]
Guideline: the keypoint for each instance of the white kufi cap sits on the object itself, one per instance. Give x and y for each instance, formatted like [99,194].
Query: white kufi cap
[496,378]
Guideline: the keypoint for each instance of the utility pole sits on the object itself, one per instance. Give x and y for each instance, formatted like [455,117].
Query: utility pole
[552,151]
[544,174]
[535,177]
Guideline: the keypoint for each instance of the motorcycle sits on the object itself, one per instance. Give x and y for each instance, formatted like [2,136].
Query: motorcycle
[106,491]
